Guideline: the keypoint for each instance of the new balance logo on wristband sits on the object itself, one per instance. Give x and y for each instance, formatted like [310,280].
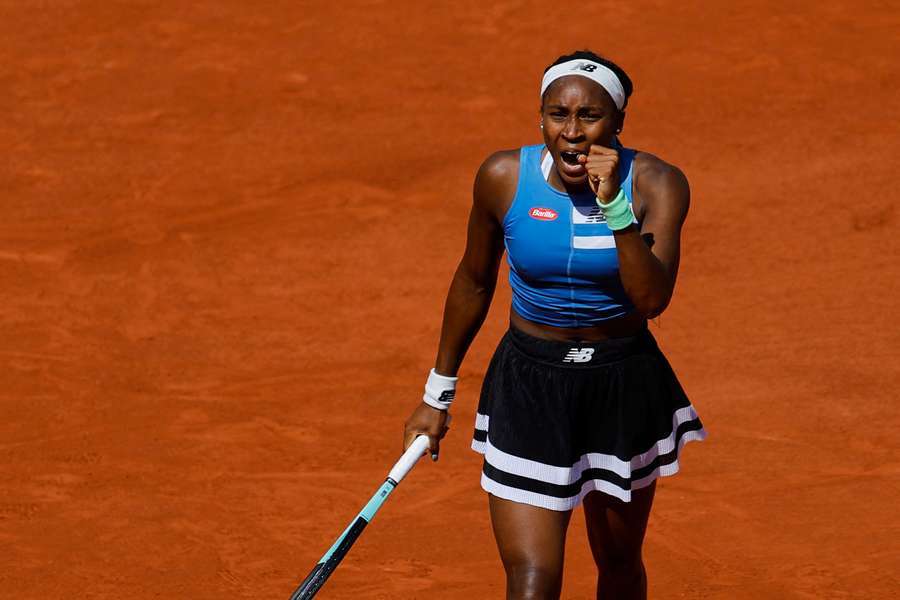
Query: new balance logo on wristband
[439,390]
[579,355]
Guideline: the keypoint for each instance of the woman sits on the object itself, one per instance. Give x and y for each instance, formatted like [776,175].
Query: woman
[578,403]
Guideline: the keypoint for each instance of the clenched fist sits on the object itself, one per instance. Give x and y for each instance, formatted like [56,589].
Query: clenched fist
[602,166]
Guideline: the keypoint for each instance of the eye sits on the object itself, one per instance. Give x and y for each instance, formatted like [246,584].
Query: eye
[591,116]
[557,115]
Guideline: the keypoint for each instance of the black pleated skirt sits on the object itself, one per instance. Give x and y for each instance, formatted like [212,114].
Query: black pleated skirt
[557,420]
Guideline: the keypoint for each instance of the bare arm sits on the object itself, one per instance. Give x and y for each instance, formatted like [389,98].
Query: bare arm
[472,288]
[648,260]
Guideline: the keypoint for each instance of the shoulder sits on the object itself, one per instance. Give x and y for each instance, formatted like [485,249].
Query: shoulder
[498,168]
[661,186]
[495,182]
[652,172]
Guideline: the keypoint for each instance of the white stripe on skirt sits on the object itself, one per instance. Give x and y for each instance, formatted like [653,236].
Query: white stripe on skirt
[554,503]
[555,475]
[594,460]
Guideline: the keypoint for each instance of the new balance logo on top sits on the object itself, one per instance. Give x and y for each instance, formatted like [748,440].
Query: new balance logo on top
[579,355]
[587,214]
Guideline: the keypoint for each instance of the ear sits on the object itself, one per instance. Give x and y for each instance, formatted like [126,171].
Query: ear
[620,124]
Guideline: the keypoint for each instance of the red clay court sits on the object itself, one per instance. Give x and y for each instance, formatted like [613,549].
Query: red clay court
[228,229]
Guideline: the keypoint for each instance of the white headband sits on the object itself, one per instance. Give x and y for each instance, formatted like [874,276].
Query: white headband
[601,74]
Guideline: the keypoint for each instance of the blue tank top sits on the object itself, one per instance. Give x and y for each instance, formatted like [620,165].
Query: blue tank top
[563,266]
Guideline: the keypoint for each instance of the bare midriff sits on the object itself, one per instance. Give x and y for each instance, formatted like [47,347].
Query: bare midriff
[624,326]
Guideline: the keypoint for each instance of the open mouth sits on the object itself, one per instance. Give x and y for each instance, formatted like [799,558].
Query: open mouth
[570,157]
[569,166]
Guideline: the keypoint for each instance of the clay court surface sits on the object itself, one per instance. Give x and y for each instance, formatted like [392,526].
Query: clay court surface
[228,228]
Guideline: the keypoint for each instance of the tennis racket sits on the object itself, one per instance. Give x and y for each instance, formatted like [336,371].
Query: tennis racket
[329,562]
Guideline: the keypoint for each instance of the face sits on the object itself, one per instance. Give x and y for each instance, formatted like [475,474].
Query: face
[576,114]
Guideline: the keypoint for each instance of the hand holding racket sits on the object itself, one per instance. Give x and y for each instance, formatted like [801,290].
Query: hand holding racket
[428,421]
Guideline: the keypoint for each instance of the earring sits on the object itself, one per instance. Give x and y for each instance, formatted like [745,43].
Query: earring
[542,125]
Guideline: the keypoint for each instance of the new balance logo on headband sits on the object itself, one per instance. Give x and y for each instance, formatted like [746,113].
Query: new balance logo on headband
[579,355]
[590,68]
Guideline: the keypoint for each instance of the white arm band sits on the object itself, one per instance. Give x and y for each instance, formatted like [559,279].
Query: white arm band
[439,391]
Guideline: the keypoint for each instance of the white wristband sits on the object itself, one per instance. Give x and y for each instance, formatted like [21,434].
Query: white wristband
[439,390]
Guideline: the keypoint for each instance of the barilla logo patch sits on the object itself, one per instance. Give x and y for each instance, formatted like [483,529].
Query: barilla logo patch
[543,214]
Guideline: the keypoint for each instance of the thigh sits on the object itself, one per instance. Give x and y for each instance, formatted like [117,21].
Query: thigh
[616,528]
[529,538]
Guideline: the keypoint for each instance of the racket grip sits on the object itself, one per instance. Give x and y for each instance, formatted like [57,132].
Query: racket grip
[409,459]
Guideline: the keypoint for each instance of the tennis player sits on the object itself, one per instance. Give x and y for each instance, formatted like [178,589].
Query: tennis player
[578,403]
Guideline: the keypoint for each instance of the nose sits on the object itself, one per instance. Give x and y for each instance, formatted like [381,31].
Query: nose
[571,130]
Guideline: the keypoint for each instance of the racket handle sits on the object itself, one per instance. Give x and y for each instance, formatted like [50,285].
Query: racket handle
[409,459]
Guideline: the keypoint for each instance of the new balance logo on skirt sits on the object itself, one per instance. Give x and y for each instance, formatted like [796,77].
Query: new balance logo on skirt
[579,355]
